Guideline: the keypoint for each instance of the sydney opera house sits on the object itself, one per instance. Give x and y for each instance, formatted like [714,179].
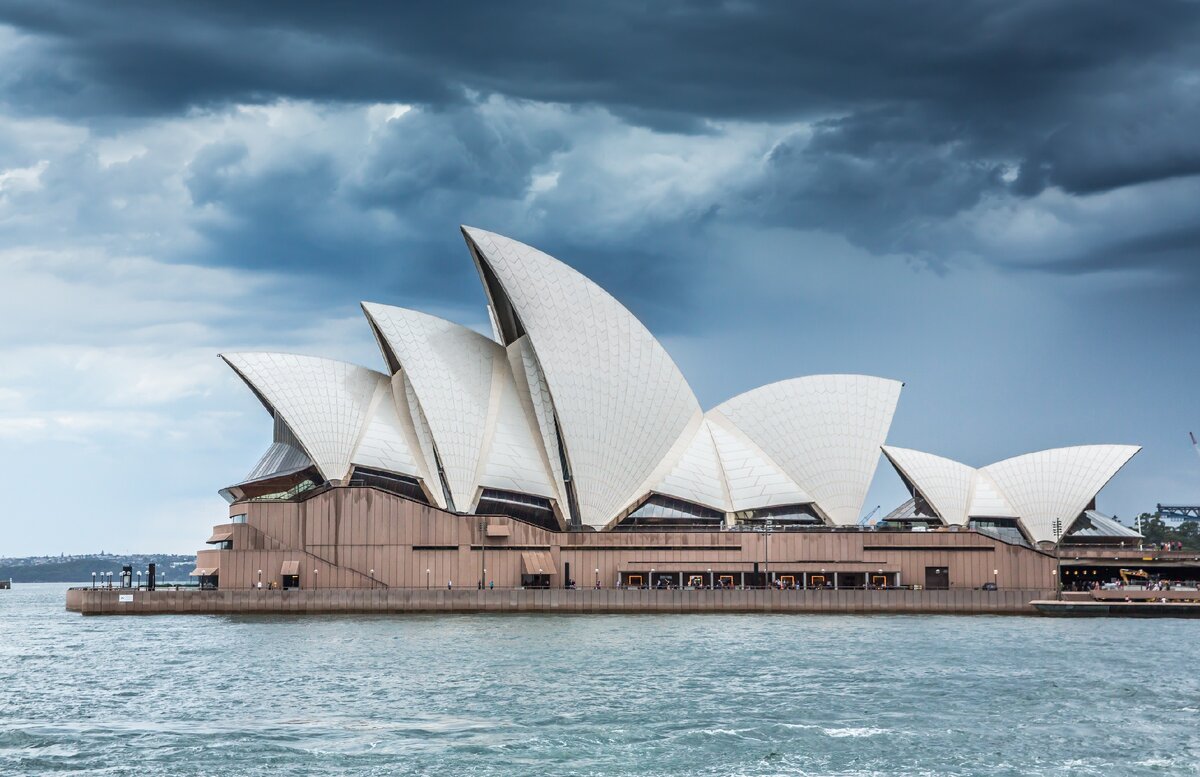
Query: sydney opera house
[568,449]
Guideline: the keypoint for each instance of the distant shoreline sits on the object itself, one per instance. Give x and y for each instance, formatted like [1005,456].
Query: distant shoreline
[77,569]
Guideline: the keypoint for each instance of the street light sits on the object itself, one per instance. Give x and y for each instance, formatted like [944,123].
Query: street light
[767,554]
[710,579]
[1058,527]
[93,580]
[372,578]
[139,580]
[426,579]
[996,578]
[316,580]
[597,577]
[260,578]
[651,584]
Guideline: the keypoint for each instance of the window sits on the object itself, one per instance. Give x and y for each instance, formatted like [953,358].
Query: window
[401,485]
[523,507]
[667,512]
[780,516]
[1003,529]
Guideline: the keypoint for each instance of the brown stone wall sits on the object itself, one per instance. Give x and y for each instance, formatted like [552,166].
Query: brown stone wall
[344,533]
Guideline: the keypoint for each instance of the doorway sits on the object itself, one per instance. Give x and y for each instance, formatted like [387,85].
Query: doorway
[937,578]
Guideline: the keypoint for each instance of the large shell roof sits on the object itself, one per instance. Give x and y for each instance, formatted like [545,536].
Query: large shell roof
[620,400]
[575,401]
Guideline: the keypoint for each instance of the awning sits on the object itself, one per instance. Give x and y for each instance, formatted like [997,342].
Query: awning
[290,568]
[203,571]
[538,562]
[219,536]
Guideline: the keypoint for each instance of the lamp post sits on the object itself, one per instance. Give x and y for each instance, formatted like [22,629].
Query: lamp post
[710,579]
[260,579]
[139,580]
[651,578]
[372,577]
[1058,527]
[597,577]
[482,552]
[316,580]
[93,580]
[426,579]
[996,578]
[767,555]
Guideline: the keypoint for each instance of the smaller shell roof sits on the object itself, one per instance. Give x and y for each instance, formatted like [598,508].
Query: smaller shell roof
[944,483]
[465,387]
[324,402]
[1057,483]
[823,431]
[1038,488]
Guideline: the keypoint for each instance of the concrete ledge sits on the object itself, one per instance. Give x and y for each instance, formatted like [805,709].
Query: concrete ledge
[103,601]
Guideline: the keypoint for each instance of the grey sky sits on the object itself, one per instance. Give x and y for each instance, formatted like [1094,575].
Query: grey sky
[994,202]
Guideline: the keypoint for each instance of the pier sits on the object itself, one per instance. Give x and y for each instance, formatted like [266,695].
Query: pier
[116,601]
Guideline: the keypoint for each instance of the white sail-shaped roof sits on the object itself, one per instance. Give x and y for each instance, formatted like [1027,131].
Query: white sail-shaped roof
[1057,483]
[753,480]
[450,369]
[535,397]
[512,458]
[620,402]
[693,472]
[402,387]
[944,483]
[824,432]
[386,443]
[987,501]
[465,388]
[1037,487]
[324,402]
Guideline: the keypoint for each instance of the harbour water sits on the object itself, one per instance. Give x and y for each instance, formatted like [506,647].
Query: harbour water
[592,695]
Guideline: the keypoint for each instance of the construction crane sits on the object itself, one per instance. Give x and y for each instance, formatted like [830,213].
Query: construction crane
[1127,574]
[866,519]
[1182,513]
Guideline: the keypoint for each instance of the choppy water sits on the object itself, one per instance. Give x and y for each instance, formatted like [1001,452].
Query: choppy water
[592,695]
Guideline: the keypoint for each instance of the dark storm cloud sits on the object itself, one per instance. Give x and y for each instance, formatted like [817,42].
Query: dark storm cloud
[918,111]
[875,176]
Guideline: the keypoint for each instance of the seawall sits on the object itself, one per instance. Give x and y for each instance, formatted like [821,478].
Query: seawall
[407,600]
